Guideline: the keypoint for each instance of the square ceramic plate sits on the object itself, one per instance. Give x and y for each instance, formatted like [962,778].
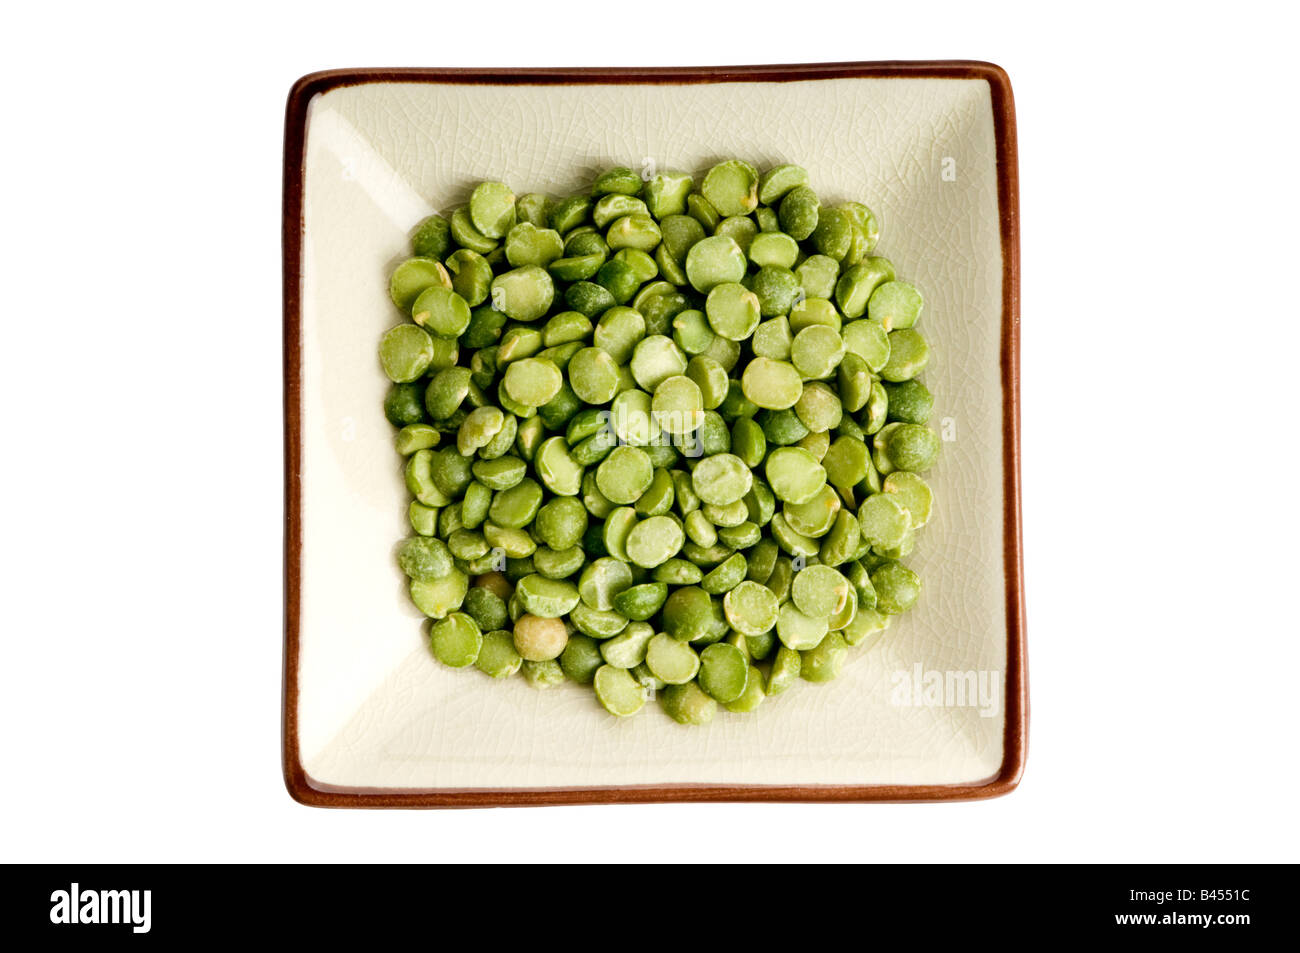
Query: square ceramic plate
[935,710]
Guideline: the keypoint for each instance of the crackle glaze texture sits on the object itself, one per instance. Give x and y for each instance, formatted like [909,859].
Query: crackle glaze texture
[374,709]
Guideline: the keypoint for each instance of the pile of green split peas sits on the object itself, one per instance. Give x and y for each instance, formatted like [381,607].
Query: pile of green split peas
[663,438]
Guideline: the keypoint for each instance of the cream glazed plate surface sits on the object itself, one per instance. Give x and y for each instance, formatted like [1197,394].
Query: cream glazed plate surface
[935,709]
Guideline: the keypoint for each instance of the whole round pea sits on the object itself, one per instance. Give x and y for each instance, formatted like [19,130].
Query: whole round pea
[538,639]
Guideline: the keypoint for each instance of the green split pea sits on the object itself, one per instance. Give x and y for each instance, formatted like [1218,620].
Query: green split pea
[664,438]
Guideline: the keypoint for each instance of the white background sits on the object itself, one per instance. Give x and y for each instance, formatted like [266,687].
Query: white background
[140,350]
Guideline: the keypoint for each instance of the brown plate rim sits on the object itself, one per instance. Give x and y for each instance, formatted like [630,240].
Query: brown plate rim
[306,790]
